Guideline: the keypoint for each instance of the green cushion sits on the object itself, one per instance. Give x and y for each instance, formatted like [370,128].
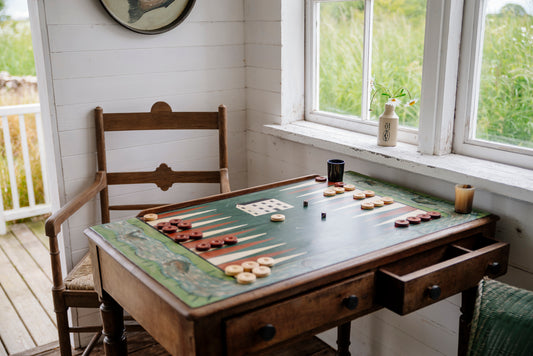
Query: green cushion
[502,322]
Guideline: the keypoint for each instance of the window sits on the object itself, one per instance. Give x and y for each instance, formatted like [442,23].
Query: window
[362,45]
[495,121]
[479,95]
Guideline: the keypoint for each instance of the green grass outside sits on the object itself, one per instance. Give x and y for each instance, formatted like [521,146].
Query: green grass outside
[505,112]
[16,58]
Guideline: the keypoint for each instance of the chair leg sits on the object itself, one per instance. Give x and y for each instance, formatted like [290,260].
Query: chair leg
[63,333]
[92,343]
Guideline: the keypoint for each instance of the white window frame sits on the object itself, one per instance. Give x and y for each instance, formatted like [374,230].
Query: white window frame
[444,102]
[468,94]
[361,123]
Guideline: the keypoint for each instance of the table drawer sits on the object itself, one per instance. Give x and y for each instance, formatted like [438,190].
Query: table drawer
[425,278]
[259,329]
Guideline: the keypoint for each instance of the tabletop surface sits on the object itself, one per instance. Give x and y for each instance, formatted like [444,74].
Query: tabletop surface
[304,242]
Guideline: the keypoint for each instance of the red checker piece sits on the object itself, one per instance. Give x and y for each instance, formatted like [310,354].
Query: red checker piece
[196,235]
[339,184]
[180,237]
[413,219]
[169,229]
[174,221]
[401,223]
[217,243]
[230,240]
[434,214]
[184,225]
[424,217]
[320,179]
[203,246]
[161,225]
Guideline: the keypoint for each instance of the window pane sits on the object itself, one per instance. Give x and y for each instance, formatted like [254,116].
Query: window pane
[397,52]
[340,56]
[505,109]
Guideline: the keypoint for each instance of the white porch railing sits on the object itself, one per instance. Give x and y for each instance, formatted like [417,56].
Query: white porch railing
[18,212]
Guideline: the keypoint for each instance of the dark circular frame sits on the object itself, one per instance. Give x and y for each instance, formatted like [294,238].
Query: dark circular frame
[186,11]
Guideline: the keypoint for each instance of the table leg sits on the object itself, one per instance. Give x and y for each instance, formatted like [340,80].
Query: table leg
[468,300]
[113,327]
[343,339]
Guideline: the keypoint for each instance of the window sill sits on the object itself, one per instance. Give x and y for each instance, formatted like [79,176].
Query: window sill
[493,177]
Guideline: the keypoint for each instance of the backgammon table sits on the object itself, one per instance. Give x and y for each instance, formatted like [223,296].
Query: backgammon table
[334,263]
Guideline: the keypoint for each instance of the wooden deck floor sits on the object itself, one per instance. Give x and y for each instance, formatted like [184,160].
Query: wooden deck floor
[27,315]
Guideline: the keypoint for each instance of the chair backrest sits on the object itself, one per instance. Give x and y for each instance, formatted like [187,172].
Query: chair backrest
[160,117]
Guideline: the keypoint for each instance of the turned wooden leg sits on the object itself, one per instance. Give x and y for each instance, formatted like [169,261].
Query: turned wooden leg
[468,300]
[343,339]
[113,327]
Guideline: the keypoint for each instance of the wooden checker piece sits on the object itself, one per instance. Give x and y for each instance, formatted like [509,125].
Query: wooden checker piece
[367,205]
[230,240]
[359,196]
[413,220]
[434,214]
[217,243]
[424,217]
[387,200]
[174,221]
[184,225]
[321,179]
[203,246]
[401,223]
[330,192]
[161,225]
[261,271]
[349,187]
[249,265]
[277,217]
[169,229]
[339,190]
[339,184]
[233,270]
[196,235]
[378,203]
[150,217]
[245,278]
[180,237]
[266,261]
[369,193]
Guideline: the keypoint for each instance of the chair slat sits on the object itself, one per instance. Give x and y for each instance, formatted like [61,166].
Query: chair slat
[161,121]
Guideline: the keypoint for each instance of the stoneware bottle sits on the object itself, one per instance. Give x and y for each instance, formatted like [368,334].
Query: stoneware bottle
[388,127]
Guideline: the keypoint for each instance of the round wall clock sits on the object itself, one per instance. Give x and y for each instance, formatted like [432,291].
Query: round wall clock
[148,16]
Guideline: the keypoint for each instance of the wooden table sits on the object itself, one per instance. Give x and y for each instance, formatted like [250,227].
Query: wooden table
[329,269]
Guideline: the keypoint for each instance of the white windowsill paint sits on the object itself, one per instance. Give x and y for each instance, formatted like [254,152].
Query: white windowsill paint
[497,178]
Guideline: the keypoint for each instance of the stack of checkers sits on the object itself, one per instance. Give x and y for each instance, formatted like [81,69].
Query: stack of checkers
[414,220]
[248,271]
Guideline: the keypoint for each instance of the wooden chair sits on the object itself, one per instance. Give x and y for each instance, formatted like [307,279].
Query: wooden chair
[77,289]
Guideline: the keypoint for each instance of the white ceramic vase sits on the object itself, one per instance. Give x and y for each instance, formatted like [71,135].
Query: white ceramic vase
[388,127]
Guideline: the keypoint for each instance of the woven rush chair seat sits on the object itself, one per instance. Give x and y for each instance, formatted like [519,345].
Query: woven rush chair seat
[81,276]
[502,322]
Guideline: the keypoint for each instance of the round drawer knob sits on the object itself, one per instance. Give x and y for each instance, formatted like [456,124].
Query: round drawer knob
[350,302]
[267,332]
[494,268]
[434,292]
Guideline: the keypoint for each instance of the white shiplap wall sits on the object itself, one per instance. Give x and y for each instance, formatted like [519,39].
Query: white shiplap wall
[93,61]
[430,331]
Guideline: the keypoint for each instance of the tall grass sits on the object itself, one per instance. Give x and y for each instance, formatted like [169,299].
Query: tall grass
[397,51]
[505,112]
[16,58]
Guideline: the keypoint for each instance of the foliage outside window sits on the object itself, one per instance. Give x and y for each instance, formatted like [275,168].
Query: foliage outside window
[352,44]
